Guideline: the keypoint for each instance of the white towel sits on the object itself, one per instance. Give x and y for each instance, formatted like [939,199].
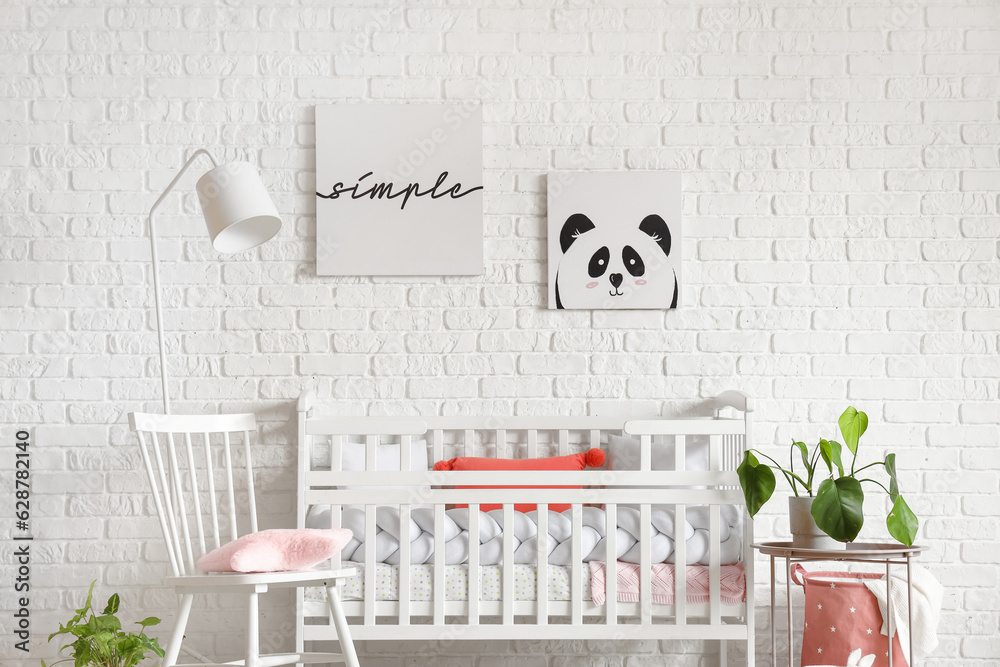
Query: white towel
[927,596]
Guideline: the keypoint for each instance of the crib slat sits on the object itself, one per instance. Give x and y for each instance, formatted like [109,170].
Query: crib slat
[371,454]
[645,452]
[470,442]
[336,465]
[563,442]
[611,563]
[714,571]
[437,445]
[680,447]
[508,564]
[532,444]
[501,443]
[542,562]
[370,563]
[404,564]
[474,575]
[439,565]
[405,442]
[595,438]
[645,566]
[576,565]
[680,565]
[715,452]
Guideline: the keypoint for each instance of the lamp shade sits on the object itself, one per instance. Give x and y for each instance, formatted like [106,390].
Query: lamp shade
[238,211]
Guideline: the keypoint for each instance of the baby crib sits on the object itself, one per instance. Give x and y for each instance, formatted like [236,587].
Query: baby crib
[677,599]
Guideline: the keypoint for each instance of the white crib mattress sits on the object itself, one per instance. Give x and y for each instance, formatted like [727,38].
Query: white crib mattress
[525,584]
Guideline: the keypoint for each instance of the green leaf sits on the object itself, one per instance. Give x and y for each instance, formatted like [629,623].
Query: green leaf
[113,604]
[82,651]
[890,467]
[825,453]
[757,481]
[837,508]
[107,623]
[804,451]
[902,522]
[146,622]
[835,456]
[853,425]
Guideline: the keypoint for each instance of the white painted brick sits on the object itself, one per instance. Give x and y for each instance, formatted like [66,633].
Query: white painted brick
[841,158]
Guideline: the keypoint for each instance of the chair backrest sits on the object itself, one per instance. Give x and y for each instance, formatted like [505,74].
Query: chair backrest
[200,480]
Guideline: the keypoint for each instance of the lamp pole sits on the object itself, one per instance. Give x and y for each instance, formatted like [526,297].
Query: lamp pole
[156,273]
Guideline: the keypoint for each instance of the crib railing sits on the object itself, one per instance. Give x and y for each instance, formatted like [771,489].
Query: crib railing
[508,618]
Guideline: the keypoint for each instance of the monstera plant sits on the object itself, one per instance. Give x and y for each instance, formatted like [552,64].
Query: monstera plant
[837,505]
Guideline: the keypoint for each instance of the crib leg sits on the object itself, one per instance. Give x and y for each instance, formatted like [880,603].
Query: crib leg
[722,653]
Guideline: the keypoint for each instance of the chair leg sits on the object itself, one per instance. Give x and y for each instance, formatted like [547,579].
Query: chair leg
[177,636]
[343,630]
[253,631]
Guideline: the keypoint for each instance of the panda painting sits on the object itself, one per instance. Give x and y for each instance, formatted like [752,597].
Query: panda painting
[621,254]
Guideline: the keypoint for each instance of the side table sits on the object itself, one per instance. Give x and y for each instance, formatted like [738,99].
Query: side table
[889,554]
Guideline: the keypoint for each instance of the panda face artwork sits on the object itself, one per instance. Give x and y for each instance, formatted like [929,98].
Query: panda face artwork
[609,268]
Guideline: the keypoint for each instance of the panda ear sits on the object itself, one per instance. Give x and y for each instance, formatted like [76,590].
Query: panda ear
[575,225]
[654,226]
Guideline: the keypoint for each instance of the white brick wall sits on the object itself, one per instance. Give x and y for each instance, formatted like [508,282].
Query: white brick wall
[841,176]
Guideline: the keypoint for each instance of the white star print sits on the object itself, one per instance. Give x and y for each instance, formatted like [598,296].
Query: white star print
[852,610]
[819,606]
[819,650]
[807,625]
[869,630]
[833,585]
[833,629]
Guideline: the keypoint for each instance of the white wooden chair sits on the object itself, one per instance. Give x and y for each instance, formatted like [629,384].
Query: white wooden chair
[199,495]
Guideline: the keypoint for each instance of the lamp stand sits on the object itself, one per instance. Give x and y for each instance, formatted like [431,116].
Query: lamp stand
[156,273]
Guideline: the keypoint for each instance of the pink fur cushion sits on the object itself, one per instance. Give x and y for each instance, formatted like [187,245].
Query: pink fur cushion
[276,550]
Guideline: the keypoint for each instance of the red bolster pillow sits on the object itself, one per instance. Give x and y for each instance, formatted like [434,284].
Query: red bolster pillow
[593,458]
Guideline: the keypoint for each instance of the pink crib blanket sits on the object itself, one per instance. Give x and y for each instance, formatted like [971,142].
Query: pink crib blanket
[732,587]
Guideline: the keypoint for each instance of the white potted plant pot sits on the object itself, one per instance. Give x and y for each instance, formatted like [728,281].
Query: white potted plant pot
[805,533]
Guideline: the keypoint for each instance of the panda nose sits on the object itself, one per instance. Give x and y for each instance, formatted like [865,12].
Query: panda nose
[616,279]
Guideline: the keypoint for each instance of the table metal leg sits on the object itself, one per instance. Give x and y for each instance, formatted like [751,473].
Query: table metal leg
[909,606]
[788,601]
[888,606]
[774,647]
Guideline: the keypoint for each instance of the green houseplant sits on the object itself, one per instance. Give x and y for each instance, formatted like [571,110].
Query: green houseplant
[101,642]
[837,505]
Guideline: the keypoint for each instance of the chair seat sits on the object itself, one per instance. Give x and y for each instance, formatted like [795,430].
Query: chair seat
[202,582]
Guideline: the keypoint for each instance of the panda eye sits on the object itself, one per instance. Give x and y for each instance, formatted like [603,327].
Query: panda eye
[633,263]
[599,262]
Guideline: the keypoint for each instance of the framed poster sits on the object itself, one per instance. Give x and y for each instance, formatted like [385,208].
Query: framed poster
[614,239]
[399,190]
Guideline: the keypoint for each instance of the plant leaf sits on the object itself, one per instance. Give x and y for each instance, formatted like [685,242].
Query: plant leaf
[835,456]
[853,424]
[108,623]
[890,467]
[805,455]
[146,622]
[902,522]
[113,603]
[757,481]
[837,508]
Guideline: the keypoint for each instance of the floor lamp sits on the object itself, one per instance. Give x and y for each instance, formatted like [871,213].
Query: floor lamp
[239,214]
